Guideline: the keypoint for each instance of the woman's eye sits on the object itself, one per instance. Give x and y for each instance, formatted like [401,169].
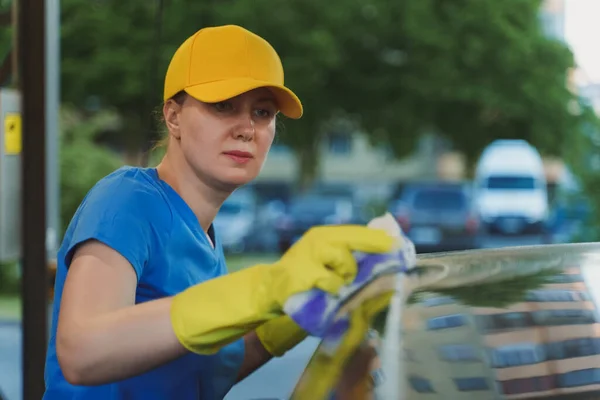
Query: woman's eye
[222,106]
[263,113]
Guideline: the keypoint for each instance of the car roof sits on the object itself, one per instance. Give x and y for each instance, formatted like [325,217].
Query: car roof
[470,322]
[411,189]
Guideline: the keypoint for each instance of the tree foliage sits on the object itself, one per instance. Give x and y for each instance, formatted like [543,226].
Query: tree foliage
[105,61]
[499,294]
[83,161]
[469,70]
[583,158]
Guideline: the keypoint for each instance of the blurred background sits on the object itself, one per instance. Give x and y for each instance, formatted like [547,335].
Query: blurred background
[474,122]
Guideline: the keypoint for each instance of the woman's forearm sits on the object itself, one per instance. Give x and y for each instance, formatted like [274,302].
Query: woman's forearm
[131,341]
[119,344]
[255,356]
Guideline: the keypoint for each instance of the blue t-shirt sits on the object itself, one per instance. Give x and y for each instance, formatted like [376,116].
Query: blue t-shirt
[146,221]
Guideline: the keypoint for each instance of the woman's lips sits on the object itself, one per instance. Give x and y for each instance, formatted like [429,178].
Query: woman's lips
[240,157]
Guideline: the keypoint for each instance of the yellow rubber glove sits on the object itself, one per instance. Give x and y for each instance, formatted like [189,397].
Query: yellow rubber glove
[327,369]
[212,314]
[280,335]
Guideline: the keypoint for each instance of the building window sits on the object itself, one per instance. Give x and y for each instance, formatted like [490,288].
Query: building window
[339,143]
[504,321]
[458,353]
[531,353]
[517,354]
[583,377]
[528,385]
[445,322]
[573,348]
[420,385]
[563,317]
[556,295]
[438,301]
[471,384]
[515,320]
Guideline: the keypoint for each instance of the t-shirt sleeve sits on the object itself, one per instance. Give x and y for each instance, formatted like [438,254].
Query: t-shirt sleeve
[123,217]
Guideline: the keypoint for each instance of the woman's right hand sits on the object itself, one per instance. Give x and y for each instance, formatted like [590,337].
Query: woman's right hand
[212,314]
[323,258]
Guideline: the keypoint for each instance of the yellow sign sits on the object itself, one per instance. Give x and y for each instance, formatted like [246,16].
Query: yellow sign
[12,134]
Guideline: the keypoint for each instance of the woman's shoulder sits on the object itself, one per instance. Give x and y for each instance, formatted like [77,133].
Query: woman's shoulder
[130,179]
[128,189]
[127,182]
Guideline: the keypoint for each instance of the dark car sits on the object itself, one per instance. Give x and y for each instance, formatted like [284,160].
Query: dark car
[311,210]
[438,217]
[513,323]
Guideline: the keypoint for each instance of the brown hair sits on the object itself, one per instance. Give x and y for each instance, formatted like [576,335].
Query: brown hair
[178,98]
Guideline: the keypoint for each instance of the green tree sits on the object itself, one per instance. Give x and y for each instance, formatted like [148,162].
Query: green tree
[6,44]
[82,160]
[469,70]
[492,294]
[582,157]
[107,48]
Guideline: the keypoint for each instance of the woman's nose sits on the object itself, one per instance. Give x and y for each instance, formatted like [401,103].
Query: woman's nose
[245,130]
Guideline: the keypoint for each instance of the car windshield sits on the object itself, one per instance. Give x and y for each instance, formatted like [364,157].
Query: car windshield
[314,206]
[439,200]
[510,182]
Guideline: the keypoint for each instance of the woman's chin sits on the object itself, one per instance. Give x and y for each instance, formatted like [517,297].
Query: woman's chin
[239,177]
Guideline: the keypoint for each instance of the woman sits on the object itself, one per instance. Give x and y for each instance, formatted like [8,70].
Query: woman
[143,306]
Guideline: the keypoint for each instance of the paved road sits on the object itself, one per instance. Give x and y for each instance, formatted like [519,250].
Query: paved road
[10,361]
[274,380]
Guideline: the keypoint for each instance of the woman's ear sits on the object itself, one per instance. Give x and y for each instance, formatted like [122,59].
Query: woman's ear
[171,111]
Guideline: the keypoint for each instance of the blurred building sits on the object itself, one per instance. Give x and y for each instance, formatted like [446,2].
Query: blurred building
[351,158]
[445,354]
[547,345]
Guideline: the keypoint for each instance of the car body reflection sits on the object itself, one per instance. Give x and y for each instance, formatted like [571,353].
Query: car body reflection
[514,323]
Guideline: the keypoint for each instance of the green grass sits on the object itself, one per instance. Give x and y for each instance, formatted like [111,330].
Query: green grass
[241,261]
[10,308]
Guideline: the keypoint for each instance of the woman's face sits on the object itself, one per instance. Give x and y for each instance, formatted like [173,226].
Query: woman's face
[225,143]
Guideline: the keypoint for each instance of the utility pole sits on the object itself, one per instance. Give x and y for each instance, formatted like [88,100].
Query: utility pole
[31,53]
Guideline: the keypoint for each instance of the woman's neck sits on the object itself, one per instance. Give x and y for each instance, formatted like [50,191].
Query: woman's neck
[202,199]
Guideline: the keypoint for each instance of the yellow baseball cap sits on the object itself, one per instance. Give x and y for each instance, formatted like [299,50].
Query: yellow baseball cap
[218,63]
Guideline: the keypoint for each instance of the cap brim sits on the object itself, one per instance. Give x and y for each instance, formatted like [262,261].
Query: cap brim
[289,104]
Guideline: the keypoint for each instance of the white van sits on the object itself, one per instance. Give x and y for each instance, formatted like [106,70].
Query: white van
[510,188]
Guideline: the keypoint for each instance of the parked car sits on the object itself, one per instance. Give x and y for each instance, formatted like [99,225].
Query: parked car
[438,216]
[235,221]
[307,211]
[334,189]
[571,217]
[511,189]
[485,324]
[264,238]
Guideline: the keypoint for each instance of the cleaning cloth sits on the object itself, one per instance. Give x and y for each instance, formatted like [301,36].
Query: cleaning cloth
[314,310]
